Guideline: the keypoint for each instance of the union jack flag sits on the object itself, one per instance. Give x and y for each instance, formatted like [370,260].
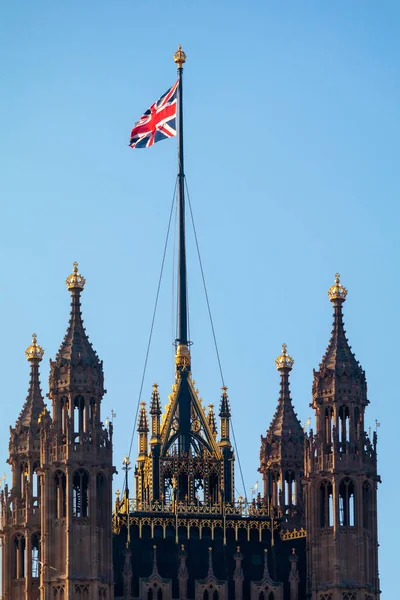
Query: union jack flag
[158,122]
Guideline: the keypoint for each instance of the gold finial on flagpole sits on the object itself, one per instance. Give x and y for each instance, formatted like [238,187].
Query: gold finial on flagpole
[180,57]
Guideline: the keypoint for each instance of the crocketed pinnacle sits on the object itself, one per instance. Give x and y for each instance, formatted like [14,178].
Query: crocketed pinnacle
[285,418]
[224,408]
[155,405]
[155,568]
[211,419]
[34,403]
[266,570]
[338,354]
[76,347]
[143,426]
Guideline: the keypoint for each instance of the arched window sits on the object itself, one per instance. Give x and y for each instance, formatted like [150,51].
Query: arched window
[346,502]
[261,596]
[206,595]
[328,425]
[80,497]
[343,424]
[326,504]
[367,498]
[271,596]
[159,594]
[23,478]
[215,595]
[36,555]
[290,496]
[150,594]
[35,484]
[60,494]
[19,557]
[79,412]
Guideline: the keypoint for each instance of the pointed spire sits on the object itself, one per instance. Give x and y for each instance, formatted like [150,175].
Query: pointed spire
[285,417]
[338,354]
[143,426]
[211,419]
[34,403]
[210,574]
[266,570]
[155,568]
[155,405]
[224,409]
[76,347]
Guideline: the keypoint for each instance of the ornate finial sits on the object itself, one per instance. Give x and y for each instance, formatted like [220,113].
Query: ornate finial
[34,351]
[182,356]
[180,57]
[75,281]
[337,291]
[284,361]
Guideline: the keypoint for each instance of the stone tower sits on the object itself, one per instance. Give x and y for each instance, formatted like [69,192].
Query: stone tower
[282,452]
[21,505]
[341,476]
[76,456]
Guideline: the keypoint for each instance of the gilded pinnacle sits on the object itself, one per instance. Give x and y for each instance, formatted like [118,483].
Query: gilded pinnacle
[75,281]
[34,351]
[180,57]
[337,291]
[284,361]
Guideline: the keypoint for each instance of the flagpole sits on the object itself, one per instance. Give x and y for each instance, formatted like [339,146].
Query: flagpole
[182,340]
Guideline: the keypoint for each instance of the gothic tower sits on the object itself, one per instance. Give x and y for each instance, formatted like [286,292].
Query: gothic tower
[21,505]
[282,452]
[76,454]
[341,476]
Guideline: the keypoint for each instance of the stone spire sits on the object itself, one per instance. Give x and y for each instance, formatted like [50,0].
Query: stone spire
[183,574]
[34,403]
[285,420]
[238,575]
[281,454]
[266,570]
[338,355]
[76,347]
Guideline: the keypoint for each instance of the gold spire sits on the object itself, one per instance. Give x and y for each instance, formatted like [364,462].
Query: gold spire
[75,281]
[180,57]
[34,351]
[337,291]
[284,361]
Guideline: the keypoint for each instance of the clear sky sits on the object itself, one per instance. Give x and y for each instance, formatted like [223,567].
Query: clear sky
[292,160]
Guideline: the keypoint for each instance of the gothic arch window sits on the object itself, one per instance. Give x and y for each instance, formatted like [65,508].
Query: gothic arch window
[23,478]
[325,597]
[326,504]
[35,484]
[82,592]
[357,422]
[58,592]
[19,557]
[64,413]
[367,498]
[79,414]
[80,493]
[60,494]
[344,419]
[290,496]
[349,596]
[35,555]
[346,503]
[92,411]
[329,422]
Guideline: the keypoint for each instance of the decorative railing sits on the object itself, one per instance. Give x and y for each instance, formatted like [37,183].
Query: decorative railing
[240,509]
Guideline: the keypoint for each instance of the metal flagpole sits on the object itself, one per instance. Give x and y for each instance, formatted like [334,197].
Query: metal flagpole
[182,333]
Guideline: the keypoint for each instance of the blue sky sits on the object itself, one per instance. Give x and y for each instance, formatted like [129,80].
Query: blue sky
[291,152]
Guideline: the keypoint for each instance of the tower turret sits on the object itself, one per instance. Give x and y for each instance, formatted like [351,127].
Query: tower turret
[77,468]
[21,511]
[341,474]
[282,450]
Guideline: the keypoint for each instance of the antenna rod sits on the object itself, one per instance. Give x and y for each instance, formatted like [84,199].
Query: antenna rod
[182,339]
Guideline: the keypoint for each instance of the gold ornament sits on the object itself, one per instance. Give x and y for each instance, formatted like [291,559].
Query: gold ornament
[284,361]
[337,291]
[75,281]
[180,57]
[34,351]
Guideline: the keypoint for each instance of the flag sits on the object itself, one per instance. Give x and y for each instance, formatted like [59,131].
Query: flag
[158,122]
